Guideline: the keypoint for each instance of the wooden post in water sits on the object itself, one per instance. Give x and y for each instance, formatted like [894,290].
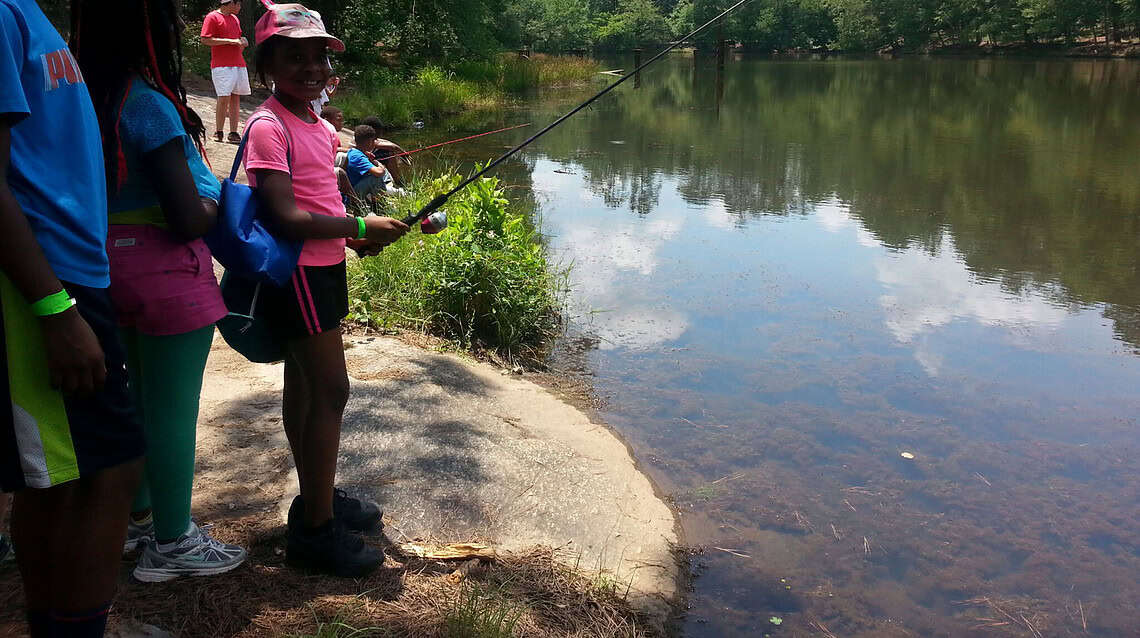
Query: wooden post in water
[637,63]
[720,47]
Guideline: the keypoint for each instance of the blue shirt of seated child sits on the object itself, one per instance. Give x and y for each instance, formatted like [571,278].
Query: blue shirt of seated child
[357,166]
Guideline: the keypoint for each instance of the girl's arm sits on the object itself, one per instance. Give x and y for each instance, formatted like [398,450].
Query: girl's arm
[189,215]
[275,188]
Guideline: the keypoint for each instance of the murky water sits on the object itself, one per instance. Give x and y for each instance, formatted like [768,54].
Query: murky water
[790,277]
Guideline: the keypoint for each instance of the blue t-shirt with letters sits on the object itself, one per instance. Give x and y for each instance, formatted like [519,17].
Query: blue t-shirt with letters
[44,99]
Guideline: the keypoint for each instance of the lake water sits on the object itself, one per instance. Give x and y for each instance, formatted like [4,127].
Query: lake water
[786,278]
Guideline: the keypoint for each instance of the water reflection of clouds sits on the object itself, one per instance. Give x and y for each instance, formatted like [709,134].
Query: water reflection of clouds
[926,291]
[609,260]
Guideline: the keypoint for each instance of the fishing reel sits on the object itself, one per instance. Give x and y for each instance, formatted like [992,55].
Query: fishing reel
[434,222]
[430,225]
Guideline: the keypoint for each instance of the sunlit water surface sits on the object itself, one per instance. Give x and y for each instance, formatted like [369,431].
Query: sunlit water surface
[786,278]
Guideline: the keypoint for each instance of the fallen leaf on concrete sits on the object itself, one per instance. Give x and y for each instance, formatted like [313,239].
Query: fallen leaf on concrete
[453,551]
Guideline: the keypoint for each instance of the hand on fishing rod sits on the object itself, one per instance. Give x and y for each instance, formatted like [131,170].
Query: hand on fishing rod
[364,248]
[378,233]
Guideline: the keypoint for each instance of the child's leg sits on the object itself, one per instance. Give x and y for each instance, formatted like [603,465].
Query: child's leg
[141,505]
[321,361]
[220,112]
[171,368]
[235,105]
[295,409]
[71,541]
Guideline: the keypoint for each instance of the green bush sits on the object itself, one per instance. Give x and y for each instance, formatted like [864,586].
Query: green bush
[483,282]
[195,55]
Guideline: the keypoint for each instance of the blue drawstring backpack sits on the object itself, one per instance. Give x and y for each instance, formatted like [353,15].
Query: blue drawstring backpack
[253,257]
[239,241]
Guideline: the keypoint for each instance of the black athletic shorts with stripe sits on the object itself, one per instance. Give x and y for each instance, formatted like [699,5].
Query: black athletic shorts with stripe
[48,438]
[314,300]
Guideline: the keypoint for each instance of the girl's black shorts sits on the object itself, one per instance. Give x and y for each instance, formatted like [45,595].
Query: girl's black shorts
[314,300]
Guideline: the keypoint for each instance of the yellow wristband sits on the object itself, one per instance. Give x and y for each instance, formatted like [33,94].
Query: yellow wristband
[53,304]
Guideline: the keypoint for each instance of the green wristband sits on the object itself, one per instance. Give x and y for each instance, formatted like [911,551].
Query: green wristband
[360,228]
[53,304]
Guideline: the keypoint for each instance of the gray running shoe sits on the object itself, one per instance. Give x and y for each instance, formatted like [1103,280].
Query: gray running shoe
[195,554]
[138,534]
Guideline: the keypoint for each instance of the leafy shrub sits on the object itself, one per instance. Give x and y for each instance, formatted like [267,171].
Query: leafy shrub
[431,92]
[484,281]
[195,55]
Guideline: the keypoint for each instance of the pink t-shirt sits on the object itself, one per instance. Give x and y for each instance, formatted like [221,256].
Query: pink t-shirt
[314,180]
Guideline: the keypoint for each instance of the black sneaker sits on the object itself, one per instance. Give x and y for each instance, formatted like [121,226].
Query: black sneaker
[333,550]
[356,515]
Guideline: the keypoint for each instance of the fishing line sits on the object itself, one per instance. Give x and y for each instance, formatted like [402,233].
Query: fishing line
[440,200]
[462,139]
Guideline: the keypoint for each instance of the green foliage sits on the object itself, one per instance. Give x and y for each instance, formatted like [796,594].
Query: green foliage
[431,93]
[484,280]
[409,35]
[481,613]
[195,55]
[553,25]
[635,23]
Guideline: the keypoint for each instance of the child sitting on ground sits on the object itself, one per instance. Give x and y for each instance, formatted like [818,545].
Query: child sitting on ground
[368,178]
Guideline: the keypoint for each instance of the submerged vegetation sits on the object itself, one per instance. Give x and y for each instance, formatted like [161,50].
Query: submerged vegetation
[485,282]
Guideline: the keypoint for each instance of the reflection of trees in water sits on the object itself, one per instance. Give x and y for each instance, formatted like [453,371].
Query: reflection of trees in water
[1028,166]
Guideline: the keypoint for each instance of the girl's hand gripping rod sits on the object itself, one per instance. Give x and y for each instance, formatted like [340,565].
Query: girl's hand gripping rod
[433,220]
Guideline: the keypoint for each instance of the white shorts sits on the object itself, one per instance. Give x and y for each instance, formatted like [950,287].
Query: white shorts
[230,80]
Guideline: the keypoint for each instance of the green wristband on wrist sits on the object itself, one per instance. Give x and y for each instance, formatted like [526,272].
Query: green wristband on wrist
[360,228]
[53,304]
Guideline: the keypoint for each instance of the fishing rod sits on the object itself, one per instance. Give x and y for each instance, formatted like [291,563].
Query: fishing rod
[462,139]
[435,220]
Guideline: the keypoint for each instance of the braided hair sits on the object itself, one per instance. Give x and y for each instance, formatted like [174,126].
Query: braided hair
[114,42]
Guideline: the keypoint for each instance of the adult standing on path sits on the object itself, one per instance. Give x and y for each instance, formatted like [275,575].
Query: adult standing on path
[221,31]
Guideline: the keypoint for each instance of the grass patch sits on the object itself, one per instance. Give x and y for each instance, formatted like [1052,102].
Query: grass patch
[515,74]
[480,612]
[484,283]
[432,93]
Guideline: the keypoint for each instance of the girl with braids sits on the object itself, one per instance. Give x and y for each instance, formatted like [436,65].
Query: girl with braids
[161,200]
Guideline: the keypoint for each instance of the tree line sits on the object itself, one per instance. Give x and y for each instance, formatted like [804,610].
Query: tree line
[462,28]
[459,29]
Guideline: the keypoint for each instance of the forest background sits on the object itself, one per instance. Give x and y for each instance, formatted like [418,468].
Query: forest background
[415,32]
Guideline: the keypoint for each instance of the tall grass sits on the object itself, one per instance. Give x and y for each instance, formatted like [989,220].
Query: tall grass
[431,93]
[515,74]
[483,282]
[479,612]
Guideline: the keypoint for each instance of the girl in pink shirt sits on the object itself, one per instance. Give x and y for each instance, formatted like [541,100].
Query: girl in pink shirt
[289,157]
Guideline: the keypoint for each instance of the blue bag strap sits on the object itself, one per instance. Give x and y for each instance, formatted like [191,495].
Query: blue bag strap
[262,114]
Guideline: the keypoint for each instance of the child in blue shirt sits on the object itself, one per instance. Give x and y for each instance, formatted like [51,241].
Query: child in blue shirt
[368,178]
[70,444]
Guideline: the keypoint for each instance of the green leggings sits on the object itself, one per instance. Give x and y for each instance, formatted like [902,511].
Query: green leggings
[166,378]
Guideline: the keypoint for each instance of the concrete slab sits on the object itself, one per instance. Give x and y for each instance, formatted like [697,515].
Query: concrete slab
[455,451]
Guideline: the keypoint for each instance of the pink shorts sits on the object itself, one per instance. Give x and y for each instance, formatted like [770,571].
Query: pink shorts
[161,285]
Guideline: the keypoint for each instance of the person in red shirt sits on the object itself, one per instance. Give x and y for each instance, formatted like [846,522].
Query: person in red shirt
[221,31]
